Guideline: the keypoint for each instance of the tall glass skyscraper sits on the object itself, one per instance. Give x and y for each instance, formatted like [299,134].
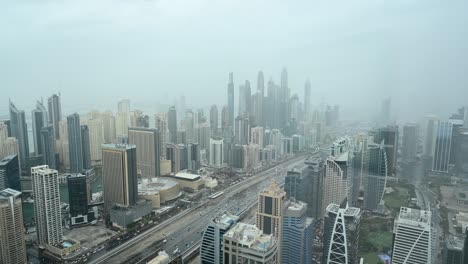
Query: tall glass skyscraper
[74,143]
[19,130]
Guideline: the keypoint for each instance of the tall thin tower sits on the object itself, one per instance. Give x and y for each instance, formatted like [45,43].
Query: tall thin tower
[231,98]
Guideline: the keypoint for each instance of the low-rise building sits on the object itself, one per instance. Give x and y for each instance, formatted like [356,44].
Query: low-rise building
[122,216]
[67,246]
[188,181]
[159,191]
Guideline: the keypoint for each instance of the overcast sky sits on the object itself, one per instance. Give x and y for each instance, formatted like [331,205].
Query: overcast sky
[355,52]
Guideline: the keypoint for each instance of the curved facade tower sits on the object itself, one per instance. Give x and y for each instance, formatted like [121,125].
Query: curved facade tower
[376,177]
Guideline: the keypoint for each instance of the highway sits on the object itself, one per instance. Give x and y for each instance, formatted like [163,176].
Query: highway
[184,229]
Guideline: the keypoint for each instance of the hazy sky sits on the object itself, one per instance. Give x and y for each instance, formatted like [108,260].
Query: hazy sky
[354,52]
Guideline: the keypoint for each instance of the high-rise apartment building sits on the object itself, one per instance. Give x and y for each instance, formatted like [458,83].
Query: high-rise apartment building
[453,250]
[13,245]
[341,234]
[193,157]
[75,144]
[297,234]
[442,147]
[47,208]
[147,142]
[39,120]
[225,122]
[413,237]
[211,248]
[336,182]
[429,135]
[47,138]
[55,113]
[78,199]
[204,136]
[294,185]
[10,173]
[172,124]
[19,130]
[245,243]
[119,175]
[96,138]
[376,177]
[270,212]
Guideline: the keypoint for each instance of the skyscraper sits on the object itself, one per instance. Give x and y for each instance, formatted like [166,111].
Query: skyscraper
[47,138]
[230,99]
[74,143]
[19,130]
[10,173]
[161,125]
[193,157]
[147,144]
[390,137]
[270,212]
[294,185]
[313,175]
[242,129]
[297,234]
[119,175]
[204,136]
[307,106]
[96,138]
[216,152]
[39,120]
[211,249]
[13,246]
[257,136]
[78,199]
[225,123]
[214,120]
[55,113]
[283,100]
[410,142]
[413,237]
[337,183]
[260,97]
[385,111]
[341,234]
[172,124]
[85,147]
[429,133]
[47,208]
[442,147]
[376,177]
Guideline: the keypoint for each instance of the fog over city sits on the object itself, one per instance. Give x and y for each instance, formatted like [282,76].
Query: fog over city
[355,53]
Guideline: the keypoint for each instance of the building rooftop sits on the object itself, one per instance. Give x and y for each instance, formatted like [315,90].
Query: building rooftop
[154,185]
[349,211]
[118,146]
[251,237]
[273,190]
[225,221]
[187,176]
[454,243]
[9,193]
[44,169]
[415,215]
[7,159]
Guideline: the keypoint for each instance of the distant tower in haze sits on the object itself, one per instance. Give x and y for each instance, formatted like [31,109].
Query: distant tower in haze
[259,105]
[245,97]
[55,113]
[75,143]
[390,137]
[385,111]
[147,144]
[214,120]
[216,152]
[230,99]
[410,142]
[225,123]
[161,125]
[442,147]
[307,95]
[242,129]
[19,130]
[85,147]
[172,124]
[39,120]
[376,177]
[48,142]
[10,173]
[284,99]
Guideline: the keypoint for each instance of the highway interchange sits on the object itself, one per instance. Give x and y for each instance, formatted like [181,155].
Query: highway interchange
[185,229]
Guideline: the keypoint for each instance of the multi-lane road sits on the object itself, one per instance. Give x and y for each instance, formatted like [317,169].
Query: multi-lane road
[185,229]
